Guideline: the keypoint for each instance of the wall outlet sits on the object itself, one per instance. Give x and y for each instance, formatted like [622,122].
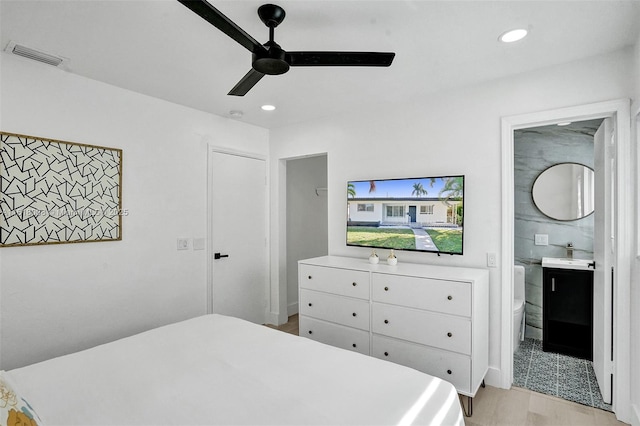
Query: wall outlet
[541,239]
[183,244]
[491,260]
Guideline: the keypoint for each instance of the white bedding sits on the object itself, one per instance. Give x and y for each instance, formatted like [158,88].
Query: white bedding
[221,370]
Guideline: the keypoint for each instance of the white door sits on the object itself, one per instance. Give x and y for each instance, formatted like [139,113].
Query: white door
[603,244]
[238,239]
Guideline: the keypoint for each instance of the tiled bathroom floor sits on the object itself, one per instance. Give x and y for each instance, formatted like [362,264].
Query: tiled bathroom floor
[554,374]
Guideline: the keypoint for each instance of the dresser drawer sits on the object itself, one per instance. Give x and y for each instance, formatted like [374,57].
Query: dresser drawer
[450,297]
[338,309]
[334,280]
[428,328]
[335,335]
[454,368]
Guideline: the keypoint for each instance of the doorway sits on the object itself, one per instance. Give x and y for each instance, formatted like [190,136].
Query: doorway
[307,227]
[619,112]
[555,218]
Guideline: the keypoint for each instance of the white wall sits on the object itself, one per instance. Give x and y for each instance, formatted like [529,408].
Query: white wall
[62,298]
[455,132]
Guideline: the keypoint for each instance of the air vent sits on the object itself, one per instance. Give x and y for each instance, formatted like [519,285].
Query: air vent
[36,55]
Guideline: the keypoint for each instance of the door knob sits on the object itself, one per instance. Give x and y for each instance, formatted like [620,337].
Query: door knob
[219,256]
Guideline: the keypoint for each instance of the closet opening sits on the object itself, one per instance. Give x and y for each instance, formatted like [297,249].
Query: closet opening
[307,232]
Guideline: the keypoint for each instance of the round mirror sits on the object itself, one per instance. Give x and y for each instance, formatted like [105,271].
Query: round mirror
[564,191]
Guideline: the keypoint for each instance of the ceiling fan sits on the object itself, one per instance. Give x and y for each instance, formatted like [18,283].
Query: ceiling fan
[270,58]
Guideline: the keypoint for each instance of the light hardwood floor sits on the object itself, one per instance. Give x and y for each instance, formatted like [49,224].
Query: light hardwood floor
[517,406]
[290,327]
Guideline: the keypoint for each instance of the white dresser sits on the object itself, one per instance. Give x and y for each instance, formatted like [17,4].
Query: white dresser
[431,318]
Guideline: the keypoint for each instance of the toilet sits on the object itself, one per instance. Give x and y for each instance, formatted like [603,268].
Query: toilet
[518,306]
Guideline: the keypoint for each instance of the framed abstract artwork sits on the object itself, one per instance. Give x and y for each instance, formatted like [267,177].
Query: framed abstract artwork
[55,192]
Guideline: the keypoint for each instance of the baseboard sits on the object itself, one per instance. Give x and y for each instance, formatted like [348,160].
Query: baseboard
[292,308]
[271,318]
[274,318]
[493,377]
[635,415]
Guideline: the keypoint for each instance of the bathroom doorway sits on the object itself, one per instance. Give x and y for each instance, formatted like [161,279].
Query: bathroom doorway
[561,212]
[622,215]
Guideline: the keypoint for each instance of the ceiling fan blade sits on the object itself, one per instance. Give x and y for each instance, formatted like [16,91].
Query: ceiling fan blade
[347,59]
[246,83]
[224,24]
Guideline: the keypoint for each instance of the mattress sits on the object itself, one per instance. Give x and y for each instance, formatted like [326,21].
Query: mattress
[221,370]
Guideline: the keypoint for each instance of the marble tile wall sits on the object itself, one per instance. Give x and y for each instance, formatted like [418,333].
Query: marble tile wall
[535,150]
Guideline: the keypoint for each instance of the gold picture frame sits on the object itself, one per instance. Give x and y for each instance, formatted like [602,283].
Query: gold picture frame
[56,192]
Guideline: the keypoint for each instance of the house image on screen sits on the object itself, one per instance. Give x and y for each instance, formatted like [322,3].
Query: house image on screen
[414,212]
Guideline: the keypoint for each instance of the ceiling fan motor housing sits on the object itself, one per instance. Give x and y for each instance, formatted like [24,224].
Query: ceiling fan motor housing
[273,63]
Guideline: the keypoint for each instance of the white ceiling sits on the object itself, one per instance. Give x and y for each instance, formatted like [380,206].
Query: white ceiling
[162,49]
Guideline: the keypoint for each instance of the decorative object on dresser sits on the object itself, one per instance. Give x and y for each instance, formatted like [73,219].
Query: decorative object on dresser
[58,192]
[431,318]
[392,259]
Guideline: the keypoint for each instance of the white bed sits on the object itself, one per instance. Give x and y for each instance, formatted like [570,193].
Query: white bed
[221,370]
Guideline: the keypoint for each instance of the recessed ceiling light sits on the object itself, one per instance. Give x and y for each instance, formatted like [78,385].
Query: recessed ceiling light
[513,35]
[564,123]
[268,107]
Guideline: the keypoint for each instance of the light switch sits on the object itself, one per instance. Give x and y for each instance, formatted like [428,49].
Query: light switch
[198,243]
[541,240]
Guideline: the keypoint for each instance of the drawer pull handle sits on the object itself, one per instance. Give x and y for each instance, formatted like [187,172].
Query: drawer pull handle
[354,345]
[354,314]
[310,277]
[449,334]
[310,332]
[448,371]
[310,304]
[386,321]
[354,284]
[449,297]
[386,354]
[386,289]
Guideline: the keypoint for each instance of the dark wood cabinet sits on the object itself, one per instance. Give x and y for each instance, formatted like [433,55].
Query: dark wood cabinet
[568,312]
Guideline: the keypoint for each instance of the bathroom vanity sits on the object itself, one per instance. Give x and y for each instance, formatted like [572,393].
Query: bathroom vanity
[568,307]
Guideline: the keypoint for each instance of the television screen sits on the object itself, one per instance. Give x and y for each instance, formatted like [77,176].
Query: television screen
[417,214]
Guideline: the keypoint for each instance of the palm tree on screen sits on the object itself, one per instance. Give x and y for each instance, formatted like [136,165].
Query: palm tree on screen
[351,190]
[453,189]
[418,189]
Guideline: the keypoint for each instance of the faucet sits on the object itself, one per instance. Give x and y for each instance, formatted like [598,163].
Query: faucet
[569,250]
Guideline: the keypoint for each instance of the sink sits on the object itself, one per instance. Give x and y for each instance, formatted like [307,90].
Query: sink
[564,263]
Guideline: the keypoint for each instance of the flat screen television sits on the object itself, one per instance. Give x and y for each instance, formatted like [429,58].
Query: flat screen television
[416,214]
